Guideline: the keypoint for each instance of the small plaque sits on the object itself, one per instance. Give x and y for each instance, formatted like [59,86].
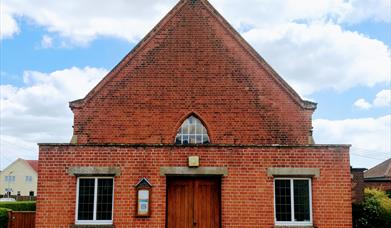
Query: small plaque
[143,203]
[194,161]
[143,207]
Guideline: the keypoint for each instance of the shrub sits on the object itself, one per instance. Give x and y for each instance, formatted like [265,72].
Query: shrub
[3,217]
[19,205]
[381,197]
[374,211]
[388,192]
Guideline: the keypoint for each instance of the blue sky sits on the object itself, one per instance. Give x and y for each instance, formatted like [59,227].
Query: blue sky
[334,52]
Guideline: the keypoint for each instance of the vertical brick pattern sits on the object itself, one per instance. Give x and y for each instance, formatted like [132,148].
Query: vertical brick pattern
[247,191]
[357,176]
[192,64]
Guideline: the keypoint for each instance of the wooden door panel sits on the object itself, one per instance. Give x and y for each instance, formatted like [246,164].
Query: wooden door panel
[207,203]
[193,202]
[180,203]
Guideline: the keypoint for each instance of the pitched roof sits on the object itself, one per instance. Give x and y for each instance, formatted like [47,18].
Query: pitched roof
[33,164]
[170,16]
[382,171]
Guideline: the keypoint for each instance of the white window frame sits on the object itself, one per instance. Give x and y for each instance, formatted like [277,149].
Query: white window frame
[93,221]
[10,179]
[292,222]
[29,179]
[198,124]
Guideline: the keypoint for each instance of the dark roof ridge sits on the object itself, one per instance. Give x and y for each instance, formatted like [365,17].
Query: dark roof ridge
[381,170]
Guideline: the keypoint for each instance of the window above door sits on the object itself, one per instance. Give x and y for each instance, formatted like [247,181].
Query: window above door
[192,131]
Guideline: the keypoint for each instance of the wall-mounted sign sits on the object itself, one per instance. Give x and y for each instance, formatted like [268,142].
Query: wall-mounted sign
[143,203]
[194,161]
[143,207]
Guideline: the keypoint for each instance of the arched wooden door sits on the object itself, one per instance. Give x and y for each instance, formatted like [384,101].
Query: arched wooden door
[193,202]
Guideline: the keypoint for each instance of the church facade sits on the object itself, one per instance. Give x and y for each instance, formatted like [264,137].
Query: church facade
[193,129]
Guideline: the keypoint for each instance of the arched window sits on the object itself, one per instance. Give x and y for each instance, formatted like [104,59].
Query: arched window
[192,132]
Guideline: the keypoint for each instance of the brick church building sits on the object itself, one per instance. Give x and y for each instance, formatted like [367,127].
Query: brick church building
[193,129]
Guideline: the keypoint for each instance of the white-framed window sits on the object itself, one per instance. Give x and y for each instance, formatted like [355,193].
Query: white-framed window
[10,179]
[29,179]
[94,200]
[292,201]
[192,131]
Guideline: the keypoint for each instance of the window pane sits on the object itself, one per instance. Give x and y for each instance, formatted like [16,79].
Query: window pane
[199,129]
[185,129]
[86,199]
[205,139]
[190,132]
[283,200]
[192,129]
[199,139]
[204,130]
[302,200]
[185,139]
[105,199]
[178,139]
[192,139]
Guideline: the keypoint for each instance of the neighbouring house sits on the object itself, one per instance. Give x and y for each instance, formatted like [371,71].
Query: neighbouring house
[19,178]
[193,129]
[377,177]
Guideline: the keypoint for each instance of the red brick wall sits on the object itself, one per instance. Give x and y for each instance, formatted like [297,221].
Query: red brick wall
[383,185]
[247,191]
[192,64]
[357,184]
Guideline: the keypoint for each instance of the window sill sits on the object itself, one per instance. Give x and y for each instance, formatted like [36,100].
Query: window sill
[293,226]
[92,226]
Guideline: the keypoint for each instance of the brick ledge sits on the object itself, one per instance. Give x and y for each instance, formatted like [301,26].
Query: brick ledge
[92,226]
[195,145]
[294,226]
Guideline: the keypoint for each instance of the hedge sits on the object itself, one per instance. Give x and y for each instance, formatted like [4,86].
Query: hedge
[374,211]
[19,205]
[3,217]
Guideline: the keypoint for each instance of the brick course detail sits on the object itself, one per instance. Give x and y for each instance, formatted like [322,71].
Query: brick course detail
[247,191]
[192,63]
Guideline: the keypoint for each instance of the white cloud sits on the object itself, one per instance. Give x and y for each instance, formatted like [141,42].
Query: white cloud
[8,24]
[321,56]
[266,12]
[361,10]
[362,104]
[383,98]
[83,21]
[46,41]
[370,137]
[38,111]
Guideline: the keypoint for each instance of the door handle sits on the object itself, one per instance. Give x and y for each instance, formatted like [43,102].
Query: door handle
[194,223]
